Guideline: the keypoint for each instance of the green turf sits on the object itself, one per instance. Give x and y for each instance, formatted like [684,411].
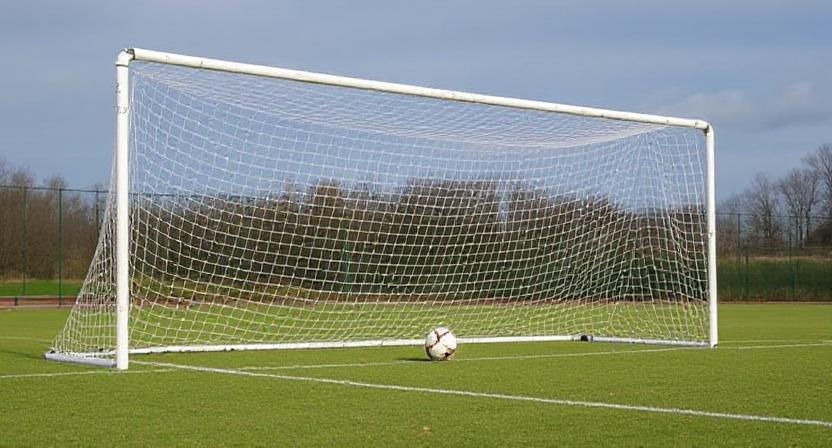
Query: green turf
[39,288]
[169,323]
[183,408]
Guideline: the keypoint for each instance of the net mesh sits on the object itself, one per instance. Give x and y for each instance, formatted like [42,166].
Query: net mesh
[276,211]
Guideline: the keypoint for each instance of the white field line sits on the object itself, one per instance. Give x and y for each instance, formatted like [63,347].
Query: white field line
[519,357]
[389,363]
[324,366]
[768,341]
[457,360]
[758,347]
[465,393]
[81,372]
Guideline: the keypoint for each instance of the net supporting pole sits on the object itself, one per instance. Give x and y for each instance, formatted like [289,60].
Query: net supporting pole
[122,209]
[711,211]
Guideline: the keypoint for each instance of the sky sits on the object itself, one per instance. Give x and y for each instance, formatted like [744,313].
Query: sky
[760,72]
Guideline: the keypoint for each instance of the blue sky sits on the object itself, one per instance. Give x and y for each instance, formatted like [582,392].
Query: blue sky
[761,72]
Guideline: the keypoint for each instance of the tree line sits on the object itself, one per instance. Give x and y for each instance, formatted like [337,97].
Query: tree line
[774,213]
[456,238]
[430,237]
[46,229]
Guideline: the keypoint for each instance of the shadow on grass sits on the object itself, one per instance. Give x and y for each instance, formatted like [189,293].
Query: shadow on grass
[414,359]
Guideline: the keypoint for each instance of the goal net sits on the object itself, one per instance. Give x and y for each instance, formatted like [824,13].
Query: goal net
[269,212]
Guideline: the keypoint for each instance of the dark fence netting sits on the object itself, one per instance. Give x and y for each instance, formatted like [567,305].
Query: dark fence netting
[48,237]
[774,258]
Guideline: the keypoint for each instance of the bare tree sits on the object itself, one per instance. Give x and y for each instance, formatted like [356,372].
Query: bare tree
[5,169]
[763,205]
[55,183]
[21,178]
[800,190]
[821,164]
[13,207]
[728,224]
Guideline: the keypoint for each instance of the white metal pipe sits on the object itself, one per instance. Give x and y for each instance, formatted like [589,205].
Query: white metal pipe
[79,359]
[711,212]
[319,78]
[274,346]
[492,339]
[122,210]
[646,341]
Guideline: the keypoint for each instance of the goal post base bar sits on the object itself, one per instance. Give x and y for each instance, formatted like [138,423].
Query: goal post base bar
[96,360]
[670,342]
[334,344]
[80,359]
[398,342]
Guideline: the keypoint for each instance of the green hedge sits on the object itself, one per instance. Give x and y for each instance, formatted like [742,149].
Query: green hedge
[775,279]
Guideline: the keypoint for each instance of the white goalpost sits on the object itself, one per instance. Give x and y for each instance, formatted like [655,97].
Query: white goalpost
[255,207]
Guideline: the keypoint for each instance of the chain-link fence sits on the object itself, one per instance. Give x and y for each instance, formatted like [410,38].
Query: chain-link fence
[774,257]
[48,237]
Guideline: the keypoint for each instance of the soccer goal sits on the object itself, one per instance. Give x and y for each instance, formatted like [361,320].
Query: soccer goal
[255,207]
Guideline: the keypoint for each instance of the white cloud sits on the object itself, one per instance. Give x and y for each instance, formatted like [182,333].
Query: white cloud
[797,104]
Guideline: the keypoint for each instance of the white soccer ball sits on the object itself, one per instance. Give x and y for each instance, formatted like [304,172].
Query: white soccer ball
[440,344]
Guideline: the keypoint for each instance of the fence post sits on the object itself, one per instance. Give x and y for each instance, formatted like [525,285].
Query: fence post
[739,235]
[739,252]
[60,247]
[792,240]
[746,276]
[799,239]
[345,267]
[97,220]
[25,241]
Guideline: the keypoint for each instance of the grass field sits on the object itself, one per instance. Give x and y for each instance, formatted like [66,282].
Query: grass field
[769,384]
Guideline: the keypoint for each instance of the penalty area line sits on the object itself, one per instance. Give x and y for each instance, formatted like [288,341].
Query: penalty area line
[465,393]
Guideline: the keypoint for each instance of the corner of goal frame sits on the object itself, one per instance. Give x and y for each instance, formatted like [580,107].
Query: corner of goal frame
[76,359]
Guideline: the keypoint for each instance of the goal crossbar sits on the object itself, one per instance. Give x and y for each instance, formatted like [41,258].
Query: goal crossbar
[404,89]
